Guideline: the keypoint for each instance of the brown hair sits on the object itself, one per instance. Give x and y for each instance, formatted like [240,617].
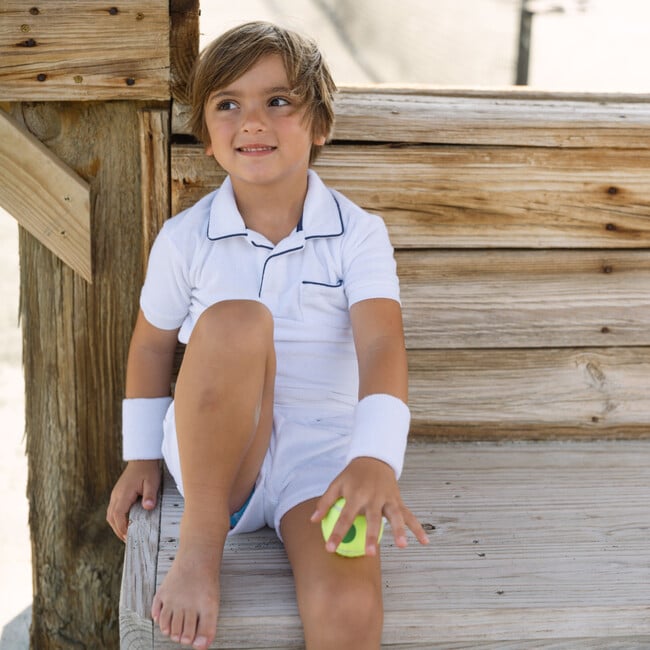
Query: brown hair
[237,50]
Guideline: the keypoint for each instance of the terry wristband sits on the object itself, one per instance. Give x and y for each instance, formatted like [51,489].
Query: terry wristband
[380,430]
[142,427]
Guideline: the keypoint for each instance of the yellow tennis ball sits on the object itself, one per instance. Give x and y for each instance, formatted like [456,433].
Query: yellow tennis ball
[354,542]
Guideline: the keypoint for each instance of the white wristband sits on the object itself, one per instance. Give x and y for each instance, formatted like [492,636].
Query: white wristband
[142,427]
[381,426]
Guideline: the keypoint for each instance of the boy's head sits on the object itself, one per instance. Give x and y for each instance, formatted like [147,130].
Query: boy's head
[236,51]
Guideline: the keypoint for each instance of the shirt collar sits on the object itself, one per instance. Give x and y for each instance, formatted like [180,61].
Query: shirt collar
[321,215]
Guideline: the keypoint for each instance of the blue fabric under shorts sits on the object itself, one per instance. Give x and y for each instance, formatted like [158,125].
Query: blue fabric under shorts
[236,516]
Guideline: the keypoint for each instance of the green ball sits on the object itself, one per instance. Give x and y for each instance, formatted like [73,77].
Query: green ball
[354,542]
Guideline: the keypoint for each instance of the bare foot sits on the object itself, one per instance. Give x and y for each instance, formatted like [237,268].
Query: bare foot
[187,604]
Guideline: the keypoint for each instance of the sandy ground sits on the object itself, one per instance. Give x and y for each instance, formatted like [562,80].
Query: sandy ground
[468,43]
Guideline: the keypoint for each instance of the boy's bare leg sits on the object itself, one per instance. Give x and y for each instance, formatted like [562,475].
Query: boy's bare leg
[224,411]
[339,599]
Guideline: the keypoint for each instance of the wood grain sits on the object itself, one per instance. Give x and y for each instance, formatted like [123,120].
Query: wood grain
[154,170]
[474,197]
[593,392]
[184,44]
[508,117]
[524,299]
[75,343]
[46,197]
[139,577]
[84,50]
[533,545]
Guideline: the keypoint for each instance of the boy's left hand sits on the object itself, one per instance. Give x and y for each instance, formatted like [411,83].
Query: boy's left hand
[370,488]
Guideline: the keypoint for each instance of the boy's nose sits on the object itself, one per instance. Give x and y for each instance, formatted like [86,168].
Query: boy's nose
[253,121]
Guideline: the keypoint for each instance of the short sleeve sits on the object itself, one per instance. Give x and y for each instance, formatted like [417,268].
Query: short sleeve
[166,293]
[368,261]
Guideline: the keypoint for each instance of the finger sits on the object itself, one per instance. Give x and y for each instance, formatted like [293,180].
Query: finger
[413,523]
[397,525]
[121,518]
[114,522]
[149,495]
[373,526]
[324,504]
[342,526]
[121,526]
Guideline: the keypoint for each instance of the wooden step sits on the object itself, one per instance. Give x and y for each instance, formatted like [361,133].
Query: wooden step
[534,545]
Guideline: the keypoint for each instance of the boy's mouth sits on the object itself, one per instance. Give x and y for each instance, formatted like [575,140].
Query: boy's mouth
[256,148]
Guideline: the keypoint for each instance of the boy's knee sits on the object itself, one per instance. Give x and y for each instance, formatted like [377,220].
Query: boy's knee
[240,323]
[347,616]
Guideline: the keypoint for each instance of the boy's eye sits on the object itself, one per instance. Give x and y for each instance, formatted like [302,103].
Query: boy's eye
[279,101]
[227,105]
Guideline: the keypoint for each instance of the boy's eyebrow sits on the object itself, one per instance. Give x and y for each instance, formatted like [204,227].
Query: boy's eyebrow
[226,92]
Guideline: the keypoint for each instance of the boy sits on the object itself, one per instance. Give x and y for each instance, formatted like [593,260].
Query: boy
[293,388]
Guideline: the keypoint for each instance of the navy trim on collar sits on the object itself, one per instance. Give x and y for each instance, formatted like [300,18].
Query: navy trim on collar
[318,220]
[334,234]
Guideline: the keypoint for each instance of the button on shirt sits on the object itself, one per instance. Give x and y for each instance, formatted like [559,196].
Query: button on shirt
[337,255]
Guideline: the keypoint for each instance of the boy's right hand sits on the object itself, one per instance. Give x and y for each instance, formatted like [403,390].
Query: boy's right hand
[141,478]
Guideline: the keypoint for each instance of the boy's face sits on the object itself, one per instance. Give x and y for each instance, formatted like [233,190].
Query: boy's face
[257,132]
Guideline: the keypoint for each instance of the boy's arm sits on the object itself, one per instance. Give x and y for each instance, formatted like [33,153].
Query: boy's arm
[148,375]
[370,485]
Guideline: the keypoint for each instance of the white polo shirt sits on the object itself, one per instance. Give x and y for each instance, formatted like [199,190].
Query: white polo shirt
[338,255]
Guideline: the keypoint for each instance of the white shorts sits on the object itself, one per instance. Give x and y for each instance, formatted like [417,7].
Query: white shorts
[307,451]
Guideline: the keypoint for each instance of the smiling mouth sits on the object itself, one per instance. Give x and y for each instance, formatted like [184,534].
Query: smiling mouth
[256,149]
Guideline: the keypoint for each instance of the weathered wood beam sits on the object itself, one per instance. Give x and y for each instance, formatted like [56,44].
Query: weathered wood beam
[46,197]
[531,545]
[184,46]
[540,393]
[84,50]
[75,343]
[524,299]
[504,118]
[154,169]
[475,197]
[139,577]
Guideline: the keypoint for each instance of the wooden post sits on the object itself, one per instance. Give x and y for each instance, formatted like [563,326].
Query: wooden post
[75,340]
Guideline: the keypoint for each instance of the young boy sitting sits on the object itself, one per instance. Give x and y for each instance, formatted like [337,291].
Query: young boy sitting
[293,388]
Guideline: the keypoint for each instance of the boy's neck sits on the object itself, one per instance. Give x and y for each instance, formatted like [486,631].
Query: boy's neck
[271,211]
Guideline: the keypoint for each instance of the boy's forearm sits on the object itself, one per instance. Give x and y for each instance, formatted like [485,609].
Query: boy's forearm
[148,373]
[384,370]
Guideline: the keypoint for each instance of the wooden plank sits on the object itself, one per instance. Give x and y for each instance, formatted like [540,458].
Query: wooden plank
[524,299]
[502,118]
[46,197]
[499,394]
[533,545]
[58,50]
[184,44]
[154,182]
[139,578]
[475,197]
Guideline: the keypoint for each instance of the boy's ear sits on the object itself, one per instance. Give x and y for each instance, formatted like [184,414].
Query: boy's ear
[209,151]
[319,140]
